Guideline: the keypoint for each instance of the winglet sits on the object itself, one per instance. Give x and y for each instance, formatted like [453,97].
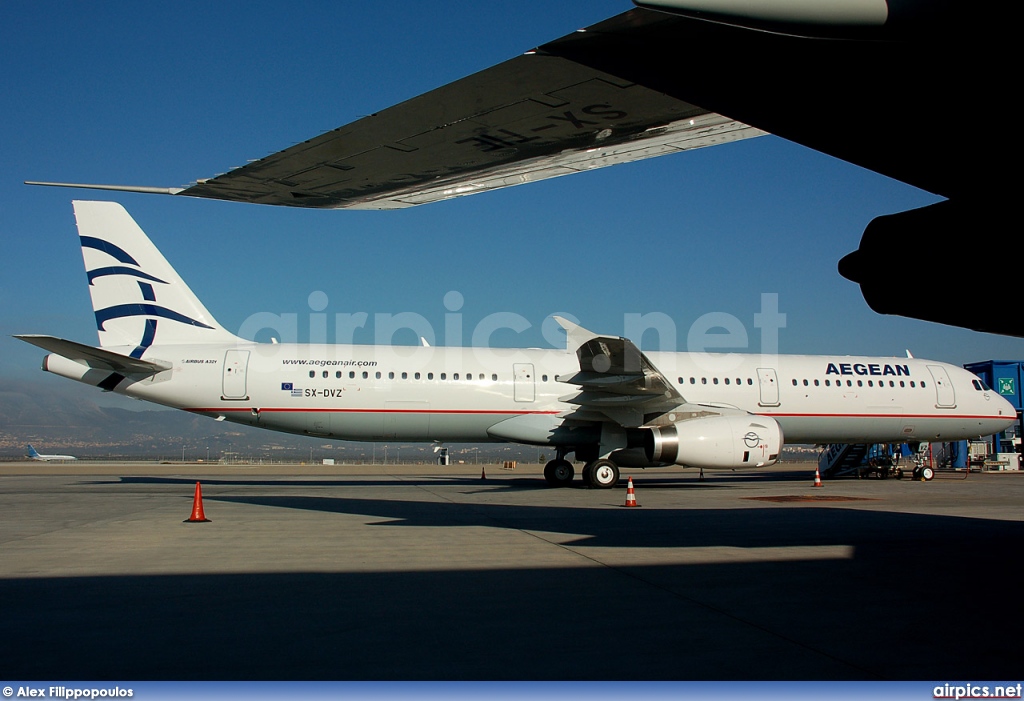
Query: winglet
[575,335]
[116,188]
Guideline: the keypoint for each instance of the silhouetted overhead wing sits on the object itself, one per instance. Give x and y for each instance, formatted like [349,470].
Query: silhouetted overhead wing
[652,81]
[535,116]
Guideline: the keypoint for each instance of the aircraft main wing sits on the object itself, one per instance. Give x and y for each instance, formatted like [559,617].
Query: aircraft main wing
[616,379]
[536,116]
[649,82]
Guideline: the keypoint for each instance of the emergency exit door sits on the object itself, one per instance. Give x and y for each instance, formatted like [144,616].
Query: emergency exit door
[523,374]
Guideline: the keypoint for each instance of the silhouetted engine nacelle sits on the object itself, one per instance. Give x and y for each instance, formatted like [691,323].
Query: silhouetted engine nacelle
[743,440]
[915,264]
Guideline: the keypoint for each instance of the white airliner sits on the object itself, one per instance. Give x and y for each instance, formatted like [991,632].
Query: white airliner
[600,398]
[35,455]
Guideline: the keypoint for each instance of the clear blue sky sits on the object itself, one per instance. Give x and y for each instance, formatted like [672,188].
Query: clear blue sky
[162,94]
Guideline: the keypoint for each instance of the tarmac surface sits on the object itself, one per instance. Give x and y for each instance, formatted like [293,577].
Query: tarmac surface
[423,572]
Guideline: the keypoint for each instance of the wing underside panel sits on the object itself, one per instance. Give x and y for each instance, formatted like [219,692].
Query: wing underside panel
[532,117]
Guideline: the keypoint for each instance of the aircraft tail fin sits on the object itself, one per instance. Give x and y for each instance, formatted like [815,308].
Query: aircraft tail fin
[32,452]
[138,298]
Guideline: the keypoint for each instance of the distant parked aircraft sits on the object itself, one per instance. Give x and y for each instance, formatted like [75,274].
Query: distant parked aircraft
[34,454]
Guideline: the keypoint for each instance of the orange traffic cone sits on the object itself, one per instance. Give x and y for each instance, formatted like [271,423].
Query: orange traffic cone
[630,495]
[197,508]
[817,478]
[483,473]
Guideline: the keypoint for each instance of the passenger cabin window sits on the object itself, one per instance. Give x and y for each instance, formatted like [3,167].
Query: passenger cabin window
[312,373]
[494,377]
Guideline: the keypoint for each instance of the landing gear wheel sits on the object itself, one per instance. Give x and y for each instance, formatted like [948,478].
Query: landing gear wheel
[559,473]
[602,474]
[927,473]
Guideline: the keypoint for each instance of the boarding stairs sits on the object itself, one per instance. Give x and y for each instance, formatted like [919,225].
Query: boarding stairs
[841,458]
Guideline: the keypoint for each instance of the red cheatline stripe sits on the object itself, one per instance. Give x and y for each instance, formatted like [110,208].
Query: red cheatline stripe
[886,416]
[223,410]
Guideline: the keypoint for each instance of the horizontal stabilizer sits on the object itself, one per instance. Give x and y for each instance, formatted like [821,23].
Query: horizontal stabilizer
[98,358]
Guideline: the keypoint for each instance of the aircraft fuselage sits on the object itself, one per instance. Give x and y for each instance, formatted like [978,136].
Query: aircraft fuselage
[370,393]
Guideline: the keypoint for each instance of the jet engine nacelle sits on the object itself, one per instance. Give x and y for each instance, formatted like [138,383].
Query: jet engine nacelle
[729,441]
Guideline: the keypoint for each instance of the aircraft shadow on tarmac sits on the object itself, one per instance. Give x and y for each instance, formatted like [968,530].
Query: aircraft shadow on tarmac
[915,601]
[918,597]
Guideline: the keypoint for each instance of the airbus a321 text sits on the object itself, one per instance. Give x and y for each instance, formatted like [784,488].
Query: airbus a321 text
[600,398]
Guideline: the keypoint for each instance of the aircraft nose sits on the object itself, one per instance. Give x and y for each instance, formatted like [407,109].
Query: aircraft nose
[1005,408]
[1008,407]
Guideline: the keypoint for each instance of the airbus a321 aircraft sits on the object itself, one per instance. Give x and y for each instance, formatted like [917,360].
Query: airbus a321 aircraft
[600,398]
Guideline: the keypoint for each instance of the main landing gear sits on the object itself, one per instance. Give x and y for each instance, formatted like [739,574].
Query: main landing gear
[598,474]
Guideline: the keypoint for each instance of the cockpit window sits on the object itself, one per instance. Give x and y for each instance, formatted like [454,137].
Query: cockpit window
[981,386]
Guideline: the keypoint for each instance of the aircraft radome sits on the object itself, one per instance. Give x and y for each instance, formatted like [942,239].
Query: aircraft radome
[600,397]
